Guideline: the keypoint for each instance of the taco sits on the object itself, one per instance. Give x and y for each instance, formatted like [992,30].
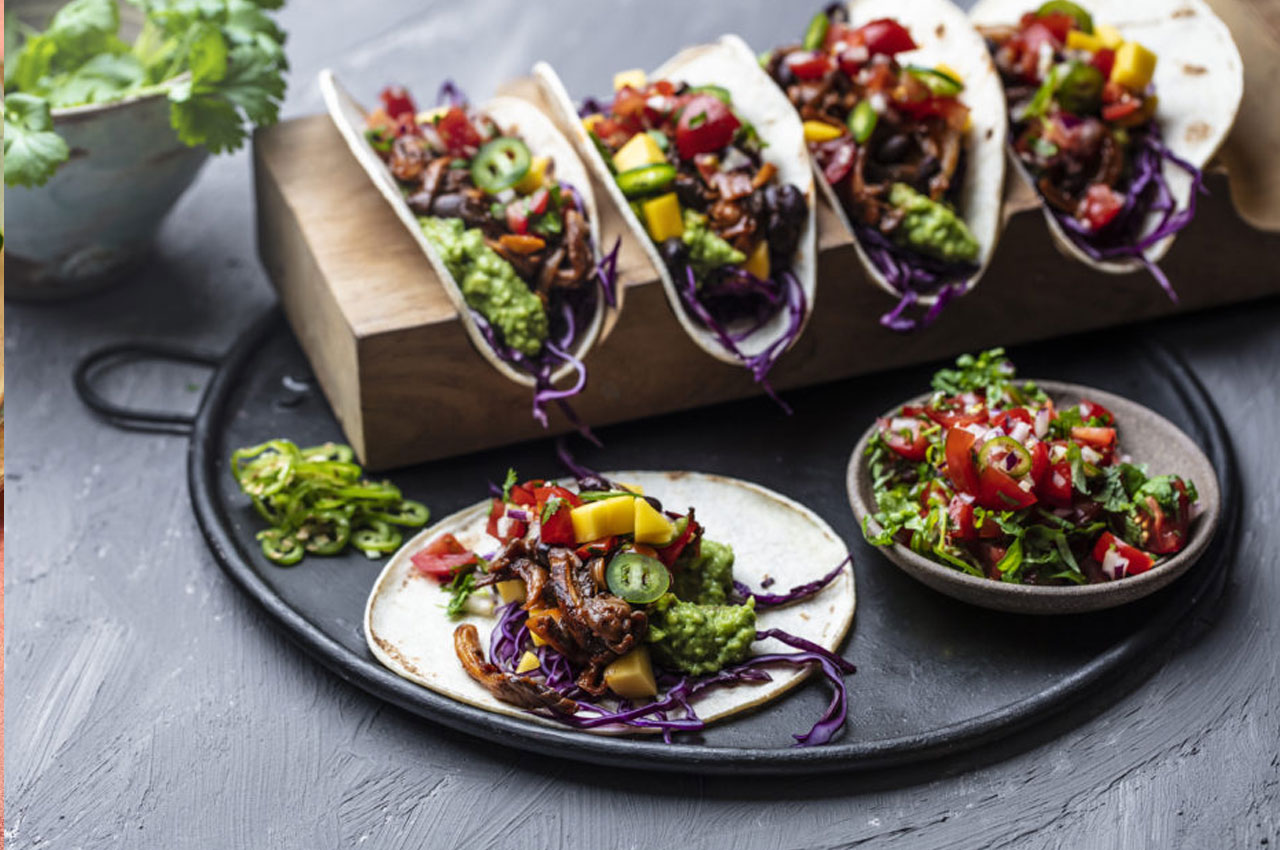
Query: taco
[708,166]
[904,117]
[1114,108]
[590,605]
[503,208]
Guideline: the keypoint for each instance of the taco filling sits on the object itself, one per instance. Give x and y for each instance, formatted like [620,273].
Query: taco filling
[614,612]
[1082,112]
[726,227]
[515,239]
[890,141]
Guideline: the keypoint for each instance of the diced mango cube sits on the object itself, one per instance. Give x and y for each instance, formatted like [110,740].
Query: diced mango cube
[535,623]
[662,217]
[758,262]
[591,121]
[631,488]
[1109,36]
[537,174]
[1134,67]
[635,78]
[651,526]
[511,591]
[528,662]
[640,150]
[1080,40]
[821,131]
[631,676]
[604,518]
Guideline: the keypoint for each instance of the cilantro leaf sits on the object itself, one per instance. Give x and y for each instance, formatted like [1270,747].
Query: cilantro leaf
[512,480]
[32,150]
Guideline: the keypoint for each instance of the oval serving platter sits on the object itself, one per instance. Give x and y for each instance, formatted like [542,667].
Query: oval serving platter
[1146,436]
[905,706]
[513,115]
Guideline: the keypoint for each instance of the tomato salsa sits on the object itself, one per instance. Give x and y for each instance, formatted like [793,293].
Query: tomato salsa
[990,477]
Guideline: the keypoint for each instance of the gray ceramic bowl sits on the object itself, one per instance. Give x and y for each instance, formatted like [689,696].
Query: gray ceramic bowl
[97,215]
[1147,438]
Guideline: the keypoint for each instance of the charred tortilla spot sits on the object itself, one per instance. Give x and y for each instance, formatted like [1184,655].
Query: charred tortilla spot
[1184,12]
[1198,131]
[1194,70]
[940,30]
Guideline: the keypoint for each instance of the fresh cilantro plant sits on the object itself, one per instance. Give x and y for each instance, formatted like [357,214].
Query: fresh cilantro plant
[220,62]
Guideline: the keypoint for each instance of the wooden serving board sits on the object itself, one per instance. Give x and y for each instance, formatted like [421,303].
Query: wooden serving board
[407,386]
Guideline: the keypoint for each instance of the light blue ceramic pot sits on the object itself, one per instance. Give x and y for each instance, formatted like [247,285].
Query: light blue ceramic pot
[97,216]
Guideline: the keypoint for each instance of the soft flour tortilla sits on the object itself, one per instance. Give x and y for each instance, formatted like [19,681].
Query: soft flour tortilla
[1199,79]
[944,35]
[514,116]
[408,630]
[728,63]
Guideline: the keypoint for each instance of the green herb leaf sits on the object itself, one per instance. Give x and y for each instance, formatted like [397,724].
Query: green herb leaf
[32,151]
[511,481]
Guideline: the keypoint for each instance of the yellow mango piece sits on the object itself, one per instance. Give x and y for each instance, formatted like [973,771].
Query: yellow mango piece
[511,591]
[651,526]
[1134,67]
[631,676]
[528,662]
[1080,40]
[430,116]
[604,518]
[1109,36]
[662,217]
[591,121]
[758,262]
[640,150]
[631,488]
[537,641]
[821,131]
[635,78]
[537,175]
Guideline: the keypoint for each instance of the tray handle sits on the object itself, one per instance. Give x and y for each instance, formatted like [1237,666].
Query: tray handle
[125,418]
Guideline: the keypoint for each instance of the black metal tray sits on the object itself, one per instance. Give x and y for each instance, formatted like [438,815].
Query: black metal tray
[935,676]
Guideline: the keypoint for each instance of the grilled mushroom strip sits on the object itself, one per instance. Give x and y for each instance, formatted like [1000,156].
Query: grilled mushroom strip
[518,561]
[508,687]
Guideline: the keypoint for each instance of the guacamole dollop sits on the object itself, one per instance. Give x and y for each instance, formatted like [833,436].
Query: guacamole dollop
[489,283]
[707,251]
[931,227]
[699,639]
[707,577]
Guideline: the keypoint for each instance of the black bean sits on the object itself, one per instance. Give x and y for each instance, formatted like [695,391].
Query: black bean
[444,206]
[894,149]
[674,253]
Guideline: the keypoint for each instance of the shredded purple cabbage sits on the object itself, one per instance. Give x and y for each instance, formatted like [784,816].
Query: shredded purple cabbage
[607,272]
[913,274]
[588,479]
[765,601]
[759,364]
[451,94]
[1147,192]
[510,636]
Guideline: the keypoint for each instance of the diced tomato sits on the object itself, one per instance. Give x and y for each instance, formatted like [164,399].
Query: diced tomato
[543,493]
[1103,60]
[905,436]
[886,36]
[628,104]
[456,131]
[961,468]
[950,110]
[1164,534]
[517,218]
[706,125]
[666,88]
[954,411]
[1058,23]
[1005,418]
[1124,560]
[1096,438]
[812,65]
[998,491]
[396,101]
[1039,461]
[596,547]
[961,512]
[537,202]
[1055,488]
[1121,109]
[991,555]
[503,527]
[557,529]
[1100,205]
[522,494]
[1093,410]
[442,558]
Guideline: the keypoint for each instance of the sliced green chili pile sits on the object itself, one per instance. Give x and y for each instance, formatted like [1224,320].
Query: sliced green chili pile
[318,502]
